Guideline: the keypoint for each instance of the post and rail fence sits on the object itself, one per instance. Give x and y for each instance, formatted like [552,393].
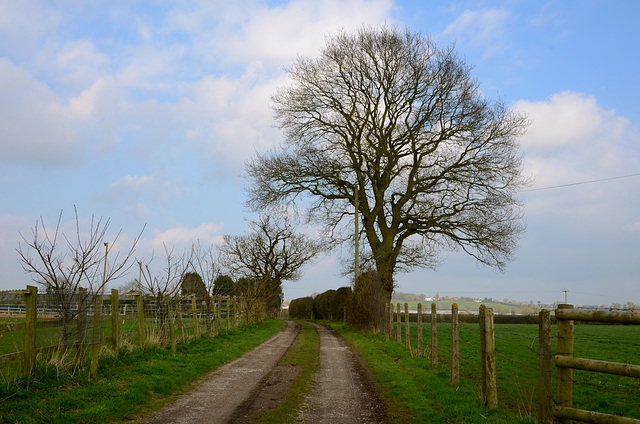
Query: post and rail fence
[550,409]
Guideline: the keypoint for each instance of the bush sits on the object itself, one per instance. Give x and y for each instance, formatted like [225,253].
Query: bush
[366,306]
[301,308]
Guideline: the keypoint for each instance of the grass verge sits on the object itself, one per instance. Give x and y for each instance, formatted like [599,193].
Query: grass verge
[414,393]
[130,384]
[303,354]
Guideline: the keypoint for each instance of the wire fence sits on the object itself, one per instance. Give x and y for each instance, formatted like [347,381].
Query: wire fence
[74,325]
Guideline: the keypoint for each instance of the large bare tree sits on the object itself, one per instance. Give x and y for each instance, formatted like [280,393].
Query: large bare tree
[388,122]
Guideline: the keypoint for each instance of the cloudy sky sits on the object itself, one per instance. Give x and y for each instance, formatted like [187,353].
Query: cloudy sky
[145,112]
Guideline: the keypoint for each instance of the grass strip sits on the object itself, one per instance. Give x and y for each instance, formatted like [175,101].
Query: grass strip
[130,384]
[304,354]
[414,393]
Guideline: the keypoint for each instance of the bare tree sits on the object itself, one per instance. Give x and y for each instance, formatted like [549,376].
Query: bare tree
[386,122]
[163,284]
[63,264]
[270,253]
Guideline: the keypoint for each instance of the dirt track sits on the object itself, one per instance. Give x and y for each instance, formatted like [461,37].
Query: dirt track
[342,391]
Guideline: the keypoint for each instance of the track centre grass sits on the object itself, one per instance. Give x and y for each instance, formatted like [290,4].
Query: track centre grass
[130,384]
[303,354]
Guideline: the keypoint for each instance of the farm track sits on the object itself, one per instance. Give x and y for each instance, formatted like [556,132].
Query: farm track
[218,397]
[342,391]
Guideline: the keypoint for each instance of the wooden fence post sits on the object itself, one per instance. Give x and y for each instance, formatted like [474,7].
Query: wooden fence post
[483,354]
[419,348]
[218,314]
[564,376]
[95,342]
[434,337]
[31,312]
[545,389]
[172,333]
[455,347]
[490,360]
[140,314]
[407,332]
[399,323]
[194,308]
[386,321]
[179,316]
[115,308]
[390,320]
[81,319]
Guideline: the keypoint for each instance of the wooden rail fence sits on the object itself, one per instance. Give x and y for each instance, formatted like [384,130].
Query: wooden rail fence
[559,410]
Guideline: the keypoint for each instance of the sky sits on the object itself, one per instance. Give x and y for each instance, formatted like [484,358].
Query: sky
[145,112]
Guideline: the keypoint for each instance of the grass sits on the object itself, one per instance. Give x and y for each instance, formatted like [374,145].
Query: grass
[413,392]
[400,374]
[303,354]
[130,384]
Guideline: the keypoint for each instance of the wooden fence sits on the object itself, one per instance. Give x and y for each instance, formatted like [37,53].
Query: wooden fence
[35,324]
[549,410]
[565,363]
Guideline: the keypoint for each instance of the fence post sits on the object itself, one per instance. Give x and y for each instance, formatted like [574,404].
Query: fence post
[386,321]
[407,331]
[95,342]
[399,323]
[455,347]
[545,390]
[434,337]
[115,308]
[490,363]
[218,314]
[172,334]
[179,316]
[194,308]
[140,314]
[483,353]
[419,346]
[31,311]
[82,325]
[564,386]
[390,320]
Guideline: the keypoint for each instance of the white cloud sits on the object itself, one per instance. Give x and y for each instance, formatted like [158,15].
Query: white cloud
[568,118]
[183,238]
[481,28]
[36,127]
[299,27]
[131,189]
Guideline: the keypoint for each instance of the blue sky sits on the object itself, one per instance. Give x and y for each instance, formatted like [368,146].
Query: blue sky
[145,114]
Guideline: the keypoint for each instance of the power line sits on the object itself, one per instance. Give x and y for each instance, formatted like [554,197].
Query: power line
[582,182]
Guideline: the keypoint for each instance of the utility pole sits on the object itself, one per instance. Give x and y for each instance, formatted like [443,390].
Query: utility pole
[357,264]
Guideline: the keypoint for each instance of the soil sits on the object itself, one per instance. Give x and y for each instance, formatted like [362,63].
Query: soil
[342,390]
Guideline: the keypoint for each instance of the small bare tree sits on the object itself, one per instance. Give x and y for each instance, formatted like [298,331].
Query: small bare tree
[64,264]
[270,253]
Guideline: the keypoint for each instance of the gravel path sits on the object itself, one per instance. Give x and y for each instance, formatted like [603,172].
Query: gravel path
[342,390]
[219,395]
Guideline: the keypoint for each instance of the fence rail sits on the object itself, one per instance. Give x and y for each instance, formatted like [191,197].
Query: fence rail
[539,366]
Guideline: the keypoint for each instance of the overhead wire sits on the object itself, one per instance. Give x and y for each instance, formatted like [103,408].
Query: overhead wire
[581,182]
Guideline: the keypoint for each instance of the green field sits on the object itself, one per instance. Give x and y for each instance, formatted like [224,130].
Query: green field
[517,363]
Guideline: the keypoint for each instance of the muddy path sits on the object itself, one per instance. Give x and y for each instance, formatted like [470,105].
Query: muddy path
[342,391]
